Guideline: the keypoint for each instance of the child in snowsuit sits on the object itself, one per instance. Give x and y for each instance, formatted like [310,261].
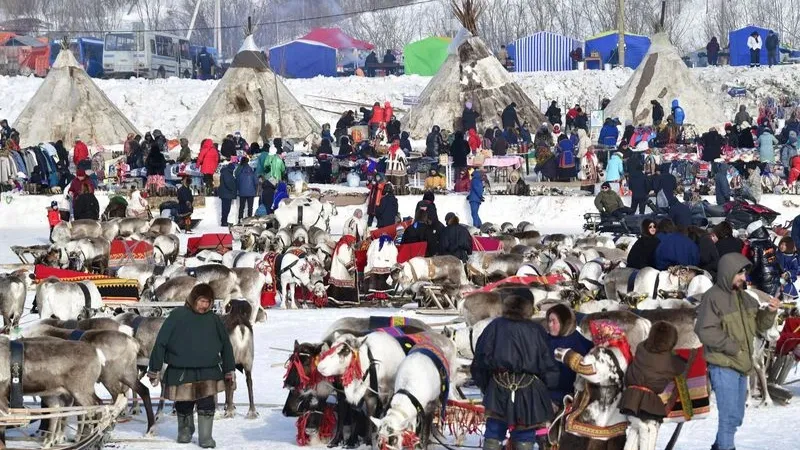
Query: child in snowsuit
[652,369]
[790,265]
[53,217]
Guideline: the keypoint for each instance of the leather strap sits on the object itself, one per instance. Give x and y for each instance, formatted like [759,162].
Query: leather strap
[159,270]
[17,351]
[238,257]
[76,335]
[87,297]
[136,323]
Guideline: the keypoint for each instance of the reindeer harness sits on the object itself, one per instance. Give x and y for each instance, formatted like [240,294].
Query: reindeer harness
[17,365]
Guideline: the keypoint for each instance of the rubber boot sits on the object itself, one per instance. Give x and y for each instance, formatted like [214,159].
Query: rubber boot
[492,444]
[523,446]
[185,428]
[205,425]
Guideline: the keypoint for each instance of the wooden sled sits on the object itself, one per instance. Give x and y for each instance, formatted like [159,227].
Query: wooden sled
[94,421]
[33,252]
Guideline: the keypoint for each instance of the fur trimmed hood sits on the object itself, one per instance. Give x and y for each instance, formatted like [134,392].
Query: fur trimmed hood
[566,317]
[518,304]
[662,338]
[201,290]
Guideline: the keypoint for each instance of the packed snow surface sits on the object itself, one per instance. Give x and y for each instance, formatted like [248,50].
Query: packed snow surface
[23,222]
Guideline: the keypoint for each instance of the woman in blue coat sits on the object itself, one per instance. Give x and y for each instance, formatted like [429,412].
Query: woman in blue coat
[281,192]
[562,333]
[246,186]
[475,197]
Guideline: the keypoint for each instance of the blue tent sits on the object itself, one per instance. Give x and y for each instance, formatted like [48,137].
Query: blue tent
[605,44]
[740,53]
[303,59]
[542,51]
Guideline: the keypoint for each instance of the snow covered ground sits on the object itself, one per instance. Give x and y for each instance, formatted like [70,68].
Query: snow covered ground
[22,222]
[170,104]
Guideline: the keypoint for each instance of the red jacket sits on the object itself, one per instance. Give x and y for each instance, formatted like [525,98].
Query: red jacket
[80,152]
[388,112]
[378,115]
[208,160]
[76,187]
[53,216]
[794,172]
[463,184]
[474,140]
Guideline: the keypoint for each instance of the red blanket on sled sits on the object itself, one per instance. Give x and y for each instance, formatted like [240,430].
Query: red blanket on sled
[219,242]
[41,272]
[790,336]
[124,252]
[692,390]
[390,230]
[404,253]
[486,244]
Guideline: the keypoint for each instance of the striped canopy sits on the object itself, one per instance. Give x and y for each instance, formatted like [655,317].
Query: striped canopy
[543,51]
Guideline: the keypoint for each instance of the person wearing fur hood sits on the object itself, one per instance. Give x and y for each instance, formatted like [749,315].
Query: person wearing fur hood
[563,334]
[652,369]
[514,369]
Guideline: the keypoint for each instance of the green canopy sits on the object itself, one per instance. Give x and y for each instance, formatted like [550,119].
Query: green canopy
[426,56]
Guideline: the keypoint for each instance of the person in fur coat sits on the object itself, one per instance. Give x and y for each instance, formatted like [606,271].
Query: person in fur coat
[514,369]
[653,368]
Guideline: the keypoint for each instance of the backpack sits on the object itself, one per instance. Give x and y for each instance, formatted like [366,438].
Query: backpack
[566,160]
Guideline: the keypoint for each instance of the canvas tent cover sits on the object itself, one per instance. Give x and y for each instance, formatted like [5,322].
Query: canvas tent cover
[303,59]
[605,44]
[542,51]
[69,105]
[470,73]
[740,52]
[663,76]
[336,38]
[426,56]
[251,99]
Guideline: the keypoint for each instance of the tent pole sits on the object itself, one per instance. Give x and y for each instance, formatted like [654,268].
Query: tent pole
[621,32]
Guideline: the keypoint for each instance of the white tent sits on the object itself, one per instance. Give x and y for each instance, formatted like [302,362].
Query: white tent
[252,100]
[67,106]
[663,76]
[471,73]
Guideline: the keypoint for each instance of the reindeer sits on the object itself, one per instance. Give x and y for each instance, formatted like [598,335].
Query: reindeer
[240,329]
[119,373]
[53,367]
[13,290]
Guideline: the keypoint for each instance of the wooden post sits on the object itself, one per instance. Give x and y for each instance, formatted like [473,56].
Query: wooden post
[621,32]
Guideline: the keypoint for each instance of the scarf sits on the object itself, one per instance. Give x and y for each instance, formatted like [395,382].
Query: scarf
[608,334]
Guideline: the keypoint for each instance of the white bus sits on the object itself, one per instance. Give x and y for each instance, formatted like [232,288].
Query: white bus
[148,54]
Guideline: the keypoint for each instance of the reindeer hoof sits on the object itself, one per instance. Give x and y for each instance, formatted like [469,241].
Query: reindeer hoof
[765,404]
[150,433]
[229,414]
[252,414]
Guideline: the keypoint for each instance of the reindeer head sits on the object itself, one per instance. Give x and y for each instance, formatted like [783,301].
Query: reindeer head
[342,354]
[395,432]
[302,364]
[398,278]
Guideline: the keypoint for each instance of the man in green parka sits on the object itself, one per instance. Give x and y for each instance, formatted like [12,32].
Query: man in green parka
[727,321]
[195,345]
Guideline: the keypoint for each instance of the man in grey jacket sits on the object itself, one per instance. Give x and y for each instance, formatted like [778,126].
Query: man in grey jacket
[727,321]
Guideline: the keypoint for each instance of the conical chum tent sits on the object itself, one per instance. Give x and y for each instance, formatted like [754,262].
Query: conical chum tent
[252,100]
[426,56]
[68,105]
[472,74]
[663,76]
